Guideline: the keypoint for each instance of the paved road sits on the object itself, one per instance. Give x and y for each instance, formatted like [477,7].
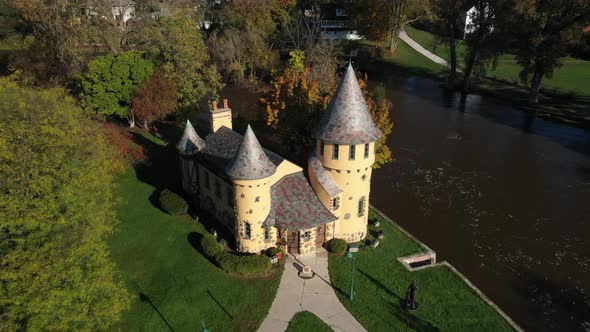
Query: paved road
[435,58]
[315,295]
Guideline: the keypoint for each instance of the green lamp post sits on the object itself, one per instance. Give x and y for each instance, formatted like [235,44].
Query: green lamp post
[351,294]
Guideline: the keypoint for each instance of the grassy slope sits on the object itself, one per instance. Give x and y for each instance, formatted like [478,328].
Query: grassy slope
[571,77]
[446,302]
[155,258]
[305,321]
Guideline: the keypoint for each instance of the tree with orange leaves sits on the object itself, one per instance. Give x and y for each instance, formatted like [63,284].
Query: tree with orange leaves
[155,99]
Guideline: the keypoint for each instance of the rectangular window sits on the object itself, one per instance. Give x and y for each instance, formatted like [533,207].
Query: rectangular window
[322,146]
[335,203]
[267,233]
[217,188]
[366,150]
[335,151]
[361,210]
[340,12]
[352,152]
[207,179]
[230,196]
[247,230]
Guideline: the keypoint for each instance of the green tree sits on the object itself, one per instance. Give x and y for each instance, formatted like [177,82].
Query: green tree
[544,30]
[178,44]
[56,212]
[110,82]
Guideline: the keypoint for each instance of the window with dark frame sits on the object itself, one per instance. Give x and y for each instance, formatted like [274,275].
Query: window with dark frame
[267,233]
[247,230]
[351,152]
[322,146]
[361,209]
[366,150]
[307,235]
[335,203]
[335,148]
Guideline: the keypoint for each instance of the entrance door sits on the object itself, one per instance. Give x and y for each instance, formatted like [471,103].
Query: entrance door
[293,241]
[320,236]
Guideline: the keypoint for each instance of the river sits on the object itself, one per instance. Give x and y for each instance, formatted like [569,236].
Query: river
[503,199]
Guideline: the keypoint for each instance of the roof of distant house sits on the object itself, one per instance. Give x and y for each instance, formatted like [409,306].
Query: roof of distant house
[295,206]
[347,119]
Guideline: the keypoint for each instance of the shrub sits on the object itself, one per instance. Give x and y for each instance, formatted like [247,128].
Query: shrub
[172,203]
[337,246]
[270,252]
[243,265]
[210,247]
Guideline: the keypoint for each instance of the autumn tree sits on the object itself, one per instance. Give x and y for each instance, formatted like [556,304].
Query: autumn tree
[177,43]
[155,99]
[57,210]
[111,80]
[295,104]
[544,30]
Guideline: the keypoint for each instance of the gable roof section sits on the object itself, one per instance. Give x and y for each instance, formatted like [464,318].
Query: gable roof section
[295,206]
[347,119]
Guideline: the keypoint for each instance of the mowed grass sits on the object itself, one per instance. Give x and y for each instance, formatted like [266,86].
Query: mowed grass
[305,321]
[174,287]
[446,303]
[572,77]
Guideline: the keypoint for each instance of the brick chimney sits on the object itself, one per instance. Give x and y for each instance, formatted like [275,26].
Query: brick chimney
[219,117]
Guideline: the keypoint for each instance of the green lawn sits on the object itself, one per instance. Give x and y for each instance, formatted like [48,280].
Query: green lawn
[180,287]
[571,77]
[305,321]
[446,302]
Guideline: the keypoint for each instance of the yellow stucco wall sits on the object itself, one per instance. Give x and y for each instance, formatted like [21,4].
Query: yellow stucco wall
[354,179]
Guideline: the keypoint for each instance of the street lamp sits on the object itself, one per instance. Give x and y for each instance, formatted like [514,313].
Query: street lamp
[351,294]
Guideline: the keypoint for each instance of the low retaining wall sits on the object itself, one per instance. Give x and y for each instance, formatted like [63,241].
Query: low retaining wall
[430,254]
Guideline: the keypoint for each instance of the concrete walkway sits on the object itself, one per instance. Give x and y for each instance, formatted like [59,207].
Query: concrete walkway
[315,295]
[433,57]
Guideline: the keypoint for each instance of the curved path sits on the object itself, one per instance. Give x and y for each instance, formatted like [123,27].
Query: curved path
[412,43]
[315,295]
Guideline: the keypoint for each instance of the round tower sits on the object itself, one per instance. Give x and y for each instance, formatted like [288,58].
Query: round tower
[189,144]
[345,147]
[250,171]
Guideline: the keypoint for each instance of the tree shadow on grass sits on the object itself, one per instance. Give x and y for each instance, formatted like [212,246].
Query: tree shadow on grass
[379,284]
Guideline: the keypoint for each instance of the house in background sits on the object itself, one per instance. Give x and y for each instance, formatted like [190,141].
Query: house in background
[121,10]
[267,201]
[334,21]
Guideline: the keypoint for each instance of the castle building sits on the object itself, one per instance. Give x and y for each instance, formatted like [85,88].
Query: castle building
[266,200]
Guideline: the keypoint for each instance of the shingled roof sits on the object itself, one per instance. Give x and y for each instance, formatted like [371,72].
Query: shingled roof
[250,162]
[190,142]
[347,119]
[295,206]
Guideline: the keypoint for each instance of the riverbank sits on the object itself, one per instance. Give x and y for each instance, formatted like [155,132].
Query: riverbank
[447,300]
[564,107]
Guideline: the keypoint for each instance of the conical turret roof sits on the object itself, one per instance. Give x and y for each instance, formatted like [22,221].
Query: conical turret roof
[250,161]
[190,142]
[347,119]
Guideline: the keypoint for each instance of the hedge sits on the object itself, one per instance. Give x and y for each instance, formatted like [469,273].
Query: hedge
[337,246]
[172,203]
[231,263]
